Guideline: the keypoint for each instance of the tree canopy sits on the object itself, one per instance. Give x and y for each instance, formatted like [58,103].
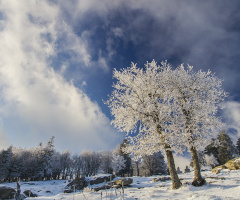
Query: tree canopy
[165,108]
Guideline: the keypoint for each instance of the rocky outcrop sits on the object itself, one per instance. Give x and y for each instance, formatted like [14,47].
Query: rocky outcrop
[104,187]
[116,184]
[29,193]
[217,169]
[68,191]
[98,180]
[233,164]
[77,184]
[7,192]
[162,179]
[124,182]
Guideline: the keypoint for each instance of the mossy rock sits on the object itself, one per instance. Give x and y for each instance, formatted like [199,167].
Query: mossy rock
[124,181]
[7,192]
[29,193]
[233,164]
[217,169]
[77,184]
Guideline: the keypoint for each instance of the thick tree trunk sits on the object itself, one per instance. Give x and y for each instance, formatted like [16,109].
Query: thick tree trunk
[176,183]
[197,180]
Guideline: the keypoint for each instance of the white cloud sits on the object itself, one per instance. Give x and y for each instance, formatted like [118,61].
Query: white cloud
[36,100]
[4,140]
[232,117]
[34,96]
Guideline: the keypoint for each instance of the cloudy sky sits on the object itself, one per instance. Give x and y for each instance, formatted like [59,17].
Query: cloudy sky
[57,59]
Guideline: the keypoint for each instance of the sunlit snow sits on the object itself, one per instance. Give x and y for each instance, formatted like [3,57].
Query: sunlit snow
[225,185]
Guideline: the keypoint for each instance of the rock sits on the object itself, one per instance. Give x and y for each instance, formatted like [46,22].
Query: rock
[7,192]
[115,184]
[102,188]
[124,181]
[29,193]
[212,177]
[68,191]
[77,184]
[217,169]
[163,179]
[21,197]
[101,179]
[233,164]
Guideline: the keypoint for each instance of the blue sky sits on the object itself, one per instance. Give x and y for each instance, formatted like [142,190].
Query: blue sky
[57,59]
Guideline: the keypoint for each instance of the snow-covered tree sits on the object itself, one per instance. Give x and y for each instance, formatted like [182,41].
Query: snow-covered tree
[106,162]
[90,162]
[56,165]
[153,164]
[222,148]
[211,160]
[118,162]
[65,162]
[21,164]
[47,158]
[136,167]
[238,146]
[226,149]
[128,161]
[141,103]
[198,95]
[76,160]
[175,108]
[212,148]
[5,163]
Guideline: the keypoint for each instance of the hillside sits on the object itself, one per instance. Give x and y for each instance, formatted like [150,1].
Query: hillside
[225,185]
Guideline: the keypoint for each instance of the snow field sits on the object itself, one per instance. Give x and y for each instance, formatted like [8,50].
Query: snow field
[225,185]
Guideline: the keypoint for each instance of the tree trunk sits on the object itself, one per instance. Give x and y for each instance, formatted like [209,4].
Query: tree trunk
[137,165]
[176,183]
[197,180]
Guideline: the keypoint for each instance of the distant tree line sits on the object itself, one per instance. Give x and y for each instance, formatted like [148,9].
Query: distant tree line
[45,163]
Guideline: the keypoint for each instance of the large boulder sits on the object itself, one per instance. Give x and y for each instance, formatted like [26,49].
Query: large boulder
[68,191]
[7,192]
[217,169]
[77,184]
[116,184]
[162,179]
[98,180]
[104,187]
[233,164]
[124,182]
[29,193]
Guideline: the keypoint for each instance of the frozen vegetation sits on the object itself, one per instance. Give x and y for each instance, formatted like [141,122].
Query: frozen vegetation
[225,185]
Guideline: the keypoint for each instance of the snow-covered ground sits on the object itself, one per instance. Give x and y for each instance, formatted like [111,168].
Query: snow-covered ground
[225,185]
